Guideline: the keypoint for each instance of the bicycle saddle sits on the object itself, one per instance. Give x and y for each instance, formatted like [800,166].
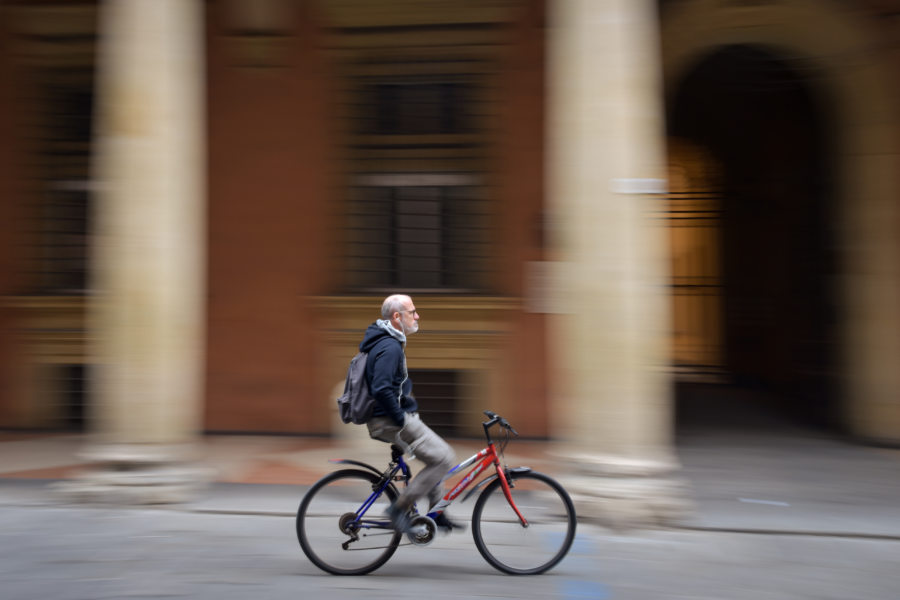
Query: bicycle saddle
[396,451]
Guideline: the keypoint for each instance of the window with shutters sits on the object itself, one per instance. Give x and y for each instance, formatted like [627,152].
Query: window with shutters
[417,106]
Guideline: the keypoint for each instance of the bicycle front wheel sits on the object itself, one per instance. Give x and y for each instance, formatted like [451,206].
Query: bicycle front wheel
[508,545]
[333,534]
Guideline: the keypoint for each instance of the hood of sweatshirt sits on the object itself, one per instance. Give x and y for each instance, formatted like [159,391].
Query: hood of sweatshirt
[377,331]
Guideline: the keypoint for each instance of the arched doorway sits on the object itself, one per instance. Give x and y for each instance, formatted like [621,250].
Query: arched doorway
[831,46]
[754,117]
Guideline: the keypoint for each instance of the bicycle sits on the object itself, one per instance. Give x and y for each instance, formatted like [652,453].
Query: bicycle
[523,522]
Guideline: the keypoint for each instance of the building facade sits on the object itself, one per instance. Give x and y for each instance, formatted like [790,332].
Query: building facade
[592,202]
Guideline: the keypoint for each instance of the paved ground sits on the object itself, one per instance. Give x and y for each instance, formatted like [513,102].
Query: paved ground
[781,514]
[64,552]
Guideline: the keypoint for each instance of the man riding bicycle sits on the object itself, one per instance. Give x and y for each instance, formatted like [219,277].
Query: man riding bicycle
[395,418]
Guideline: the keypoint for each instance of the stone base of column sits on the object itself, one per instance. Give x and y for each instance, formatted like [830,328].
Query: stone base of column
[623,494]
[137,475]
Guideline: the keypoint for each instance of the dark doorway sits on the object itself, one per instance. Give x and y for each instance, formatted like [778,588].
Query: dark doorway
[438,392]
[757,114]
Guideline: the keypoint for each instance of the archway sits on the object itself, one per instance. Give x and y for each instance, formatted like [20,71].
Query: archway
[831,47]
[767,207]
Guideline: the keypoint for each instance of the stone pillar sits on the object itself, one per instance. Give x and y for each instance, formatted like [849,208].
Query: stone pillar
[613,402]
[148,270]
[870,290]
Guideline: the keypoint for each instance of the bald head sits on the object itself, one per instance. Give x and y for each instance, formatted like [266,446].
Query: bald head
[401,312]
[394,303]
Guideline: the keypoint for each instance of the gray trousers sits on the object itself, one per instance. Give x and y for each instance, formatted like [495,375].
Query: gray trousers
[417,438]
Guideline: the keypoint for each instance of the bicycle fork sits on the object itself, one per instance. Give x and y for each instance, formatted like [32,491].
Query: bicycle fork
[506,487]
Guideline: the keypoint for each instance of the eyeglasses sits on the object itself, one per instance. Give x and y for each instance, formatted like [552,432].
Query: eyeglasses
[411,311]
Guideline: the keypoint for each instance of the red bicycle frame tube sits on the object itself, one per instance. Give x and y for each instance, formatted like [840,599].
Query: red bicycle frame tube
[485,458]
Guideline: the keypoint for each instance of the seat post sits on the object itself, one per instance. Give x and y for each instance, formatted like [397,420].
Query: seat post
[396,452]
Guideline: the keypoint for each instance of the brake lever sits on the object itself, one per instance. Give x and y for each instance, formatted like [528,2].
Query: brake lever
[505,424]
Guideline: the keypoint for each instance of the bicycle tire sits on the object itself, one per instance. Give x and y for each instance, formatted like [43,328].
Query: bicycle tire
[508,546]
[319,524]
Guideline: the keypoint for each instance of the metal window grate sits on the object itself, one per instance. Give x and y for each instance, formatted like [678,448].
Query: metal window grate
[419,123]
[74,385]
[63,388]
[438,395]
[418,237]
[60,133]
[415,107]
[55,50]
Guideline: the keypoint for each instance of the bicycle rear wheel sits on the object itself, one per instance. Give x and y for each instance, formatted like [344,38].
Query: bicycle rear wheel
[505,543]
[329,532]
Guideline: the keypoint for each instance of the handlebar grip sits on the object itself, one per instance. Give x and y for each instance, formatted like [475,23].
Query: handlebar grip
[496,419]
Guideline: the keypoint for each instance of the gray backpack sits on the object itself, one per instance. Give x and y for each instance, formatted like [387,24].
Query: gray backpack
[356,403]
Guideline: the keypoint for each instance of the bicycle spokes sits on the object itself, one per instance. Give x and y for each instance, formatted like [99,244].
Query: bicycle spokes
[330,533]
[499,532]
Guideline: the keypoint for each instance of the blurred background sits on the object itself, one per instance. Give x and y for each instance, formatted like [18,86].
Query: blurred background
[639,216]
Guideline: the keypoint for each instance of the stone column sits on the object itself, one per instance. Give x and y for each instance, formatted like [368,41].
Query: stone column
[613,400]
[870,290]
[148,270]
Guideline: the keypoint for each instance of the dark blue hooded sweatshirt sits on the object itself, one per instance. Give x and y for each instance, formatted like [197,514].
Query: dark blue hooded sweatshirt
[386,372]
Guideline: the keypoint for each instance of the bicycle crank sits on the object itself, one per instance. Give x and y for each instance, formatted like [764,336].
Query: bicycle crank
[421,531]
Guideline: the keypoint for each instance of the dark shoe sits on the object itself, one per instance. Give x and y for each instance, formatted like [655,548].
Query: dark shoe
[400,518]
[446,524]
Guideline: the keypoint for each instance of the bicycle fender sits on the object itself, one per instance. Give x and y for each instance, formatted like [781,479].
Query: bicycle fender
[488,480]
[347,461]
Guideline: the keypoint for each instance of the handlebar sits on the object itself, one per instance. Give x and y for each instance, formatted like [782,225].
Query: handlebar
[495,419]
